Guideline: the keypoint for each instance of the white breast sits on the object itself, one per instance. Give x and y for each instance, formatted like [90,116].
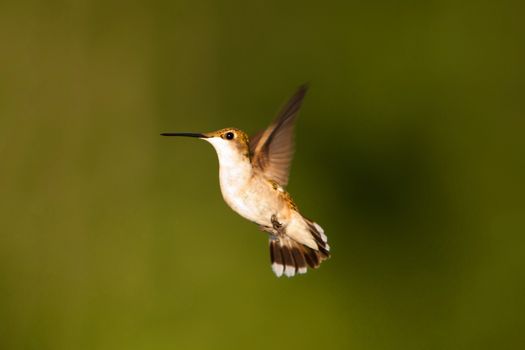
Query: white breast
[245,194]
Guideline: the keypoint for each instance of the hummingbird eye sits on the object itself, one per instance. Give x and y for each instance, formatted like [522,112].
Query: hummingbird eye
[230,135]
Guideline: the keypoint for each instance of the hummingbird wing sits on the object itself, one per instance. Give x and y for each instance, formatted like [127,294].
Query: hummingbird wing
[272,149]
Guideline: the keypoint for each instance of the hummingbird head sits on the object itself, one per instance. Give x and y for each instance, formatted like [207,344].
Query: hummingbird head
[229,143]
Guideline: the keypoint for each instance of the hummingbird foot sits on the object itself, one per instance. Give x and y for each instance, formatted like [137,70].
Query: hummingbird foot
[277,226]
[268,229]
[276,230]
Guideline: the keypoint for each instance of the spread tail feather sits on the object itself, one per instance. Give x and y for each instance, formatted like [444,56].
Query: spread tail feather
[290,257]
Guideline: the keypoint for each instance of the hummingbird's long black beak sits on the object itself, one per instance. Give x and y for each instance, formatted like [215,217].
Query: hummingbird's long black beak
[187,134]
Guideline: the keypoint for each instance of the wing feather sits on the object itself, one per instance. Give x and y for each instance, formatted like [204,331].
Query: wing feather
[272,149]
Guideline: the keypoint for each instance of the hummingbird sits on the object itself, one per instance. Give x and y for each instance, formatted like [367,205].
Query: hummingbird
[253,174]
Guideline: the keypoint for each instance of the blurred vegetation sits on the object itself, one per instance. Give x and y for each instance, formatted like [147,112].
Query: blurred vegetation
[410,153]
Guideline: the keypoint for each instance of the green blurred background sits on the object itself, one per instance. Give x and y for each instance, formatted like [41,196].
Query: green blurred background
[410,153]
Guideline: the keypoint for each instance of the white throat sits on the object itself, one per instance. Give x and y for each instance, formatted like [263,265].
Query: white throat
[236,176]
[235,167]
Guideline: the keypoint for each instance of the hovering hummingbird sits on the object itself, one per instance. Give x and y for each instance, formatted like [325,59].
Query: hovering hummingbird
[253,173]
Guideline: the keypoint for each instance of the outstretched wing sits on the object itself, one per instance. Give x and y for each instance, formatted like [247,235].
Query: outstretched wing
[272,149]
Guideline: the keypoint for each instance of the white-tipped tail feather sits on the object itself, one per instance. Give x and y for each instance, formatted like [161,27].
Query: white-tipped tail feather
[289,271]
[321,232]
[278,269]
[290,257]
